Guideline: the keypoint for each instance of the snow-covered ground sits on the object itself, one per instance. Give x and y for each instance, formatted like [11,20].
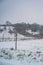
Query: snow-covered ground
[34,33]
[24,45]
[30,52]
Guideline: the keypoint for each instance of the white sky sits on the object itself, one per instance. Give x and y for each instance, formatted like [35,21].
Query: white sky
[15,11]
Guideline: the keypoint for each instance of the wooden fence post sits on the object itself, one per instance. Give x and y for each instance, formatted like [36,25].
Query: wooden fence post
[16,41]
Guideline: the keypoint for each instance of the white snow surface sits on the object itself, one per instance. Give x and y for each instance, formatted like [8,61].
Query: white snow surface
[30,52]
[29,31]
[24,44]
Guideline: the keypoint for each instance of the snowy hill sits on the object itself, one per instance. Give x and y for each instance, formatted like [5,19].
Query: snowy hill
[34,33]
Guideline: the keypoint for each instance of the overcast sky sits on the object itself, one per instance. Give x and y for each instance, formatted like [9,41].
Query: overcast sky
[15,11]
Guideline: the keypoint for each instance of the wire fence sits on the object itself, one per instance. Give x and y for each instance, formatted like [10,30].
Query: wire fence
[14,39]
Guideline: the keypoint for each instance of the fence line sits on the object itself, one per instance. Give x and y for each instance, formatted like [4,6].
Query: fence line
[14,39]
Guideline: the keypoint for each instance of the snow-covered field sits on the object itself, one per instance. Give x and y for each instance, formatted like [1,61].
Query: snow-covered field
[24,45]
[30,52]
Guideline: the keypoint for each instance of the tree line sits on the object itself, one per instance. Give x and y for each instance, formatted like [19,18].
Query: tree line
[22,27]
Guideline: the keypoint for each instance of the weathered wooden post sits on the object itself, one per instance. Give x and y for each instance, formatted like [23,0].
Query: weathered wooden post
[16,41]
[15,35]
[3,38]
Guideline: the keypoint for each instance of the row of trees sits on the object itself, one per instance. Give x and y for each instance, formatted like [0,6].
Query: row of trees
[22,27]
